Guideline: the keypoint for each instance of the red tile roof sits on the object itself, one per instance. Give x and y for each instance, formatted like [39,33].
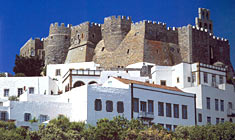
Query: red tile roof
[127,81]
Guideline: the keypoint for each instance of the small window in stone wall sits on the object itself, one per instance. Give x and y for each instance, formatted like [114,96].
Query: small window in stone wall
[66,37]
[200,24]
[178,50]
[51,37]
[93,35]
[82,36]
[210,27]
[128,51]
[205,25]
[102,49]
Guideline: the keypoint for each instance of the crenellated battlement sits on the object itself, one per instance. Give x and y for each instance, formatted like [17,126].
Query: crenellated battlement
[118,18]
[209,33]
[59,29]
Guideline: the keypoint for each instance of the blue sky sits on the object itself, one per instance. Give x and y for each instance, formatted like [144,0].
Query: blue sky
[20,20]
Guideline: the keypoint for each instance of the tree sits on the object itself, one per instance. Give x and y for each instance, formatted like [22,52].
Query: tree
[13,98]
[2,75]
[30,66]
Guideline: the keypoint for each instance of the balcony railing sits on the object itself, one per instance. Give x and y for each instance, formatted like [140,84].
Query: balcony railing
[146,115]
[87,72]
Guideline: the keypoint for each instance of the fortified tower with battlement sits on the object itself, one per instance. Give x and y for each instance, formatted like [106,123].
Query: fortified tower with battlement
[57,44]
[114,31]
[119,42]
[84,38]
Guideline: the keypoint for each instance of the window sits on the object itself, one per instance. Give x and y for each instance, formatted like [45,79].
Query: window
[208,103]
[178,79]
[32,52]
[136,104]
[3,116]
[163,82]
[221,79]
[205,75]
[216,104]
[43,118]
[31,90]
[211,52]
[27,117]
[193,77]
[199,117]
[161,124]
[205,25]
[184,112]
[120,107]
[209,120]
[98,105]
[20,91]
[168,127]
[213,80]
[189,79]
[210,27]
[176,110]
[143,106]
[109,106]
[174,127]
[168,109]
[160,109]
[230,105]
[57,72]
[217,120]
[6,92]
[102,49]
[222,105]
[128,51]
[150,106]
[222,120]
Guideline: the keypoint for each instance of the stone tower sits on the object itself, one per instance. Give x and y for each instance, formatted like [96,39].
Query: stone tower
[203,20]
[84,38]
[57,44]
[114,30]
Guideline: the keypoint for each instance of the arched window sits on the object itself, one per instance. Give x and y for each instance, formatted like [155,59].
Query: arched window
[92,82]
[109,106]
[78,84]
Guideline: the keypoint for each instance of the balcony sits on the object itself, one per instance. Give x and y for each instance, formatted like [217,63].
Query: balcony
[146,115]
[231,112]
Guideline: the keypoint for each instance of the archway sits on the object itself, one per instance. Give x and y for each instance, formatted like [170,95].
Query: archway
[78,84]
[92,82]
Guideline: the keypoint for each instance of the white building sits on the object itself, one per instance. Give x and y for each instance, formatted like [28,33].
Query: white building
[151,103]
[215,98]
[184,94]
[15,86]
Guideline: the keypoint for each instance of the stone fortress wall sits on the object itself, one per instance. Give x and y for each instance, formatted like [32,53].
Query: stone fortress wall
[33,47]
[119,42]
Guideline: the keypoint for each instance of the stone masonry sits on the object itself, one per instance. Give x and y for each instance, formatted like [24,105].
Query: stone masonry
[119,42]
